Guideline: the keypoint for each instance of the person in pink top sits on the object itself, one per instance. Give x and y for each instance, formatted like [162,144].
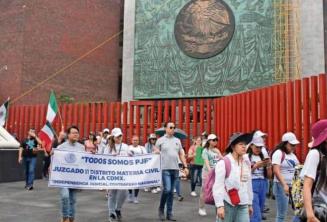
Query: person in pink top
[91,144]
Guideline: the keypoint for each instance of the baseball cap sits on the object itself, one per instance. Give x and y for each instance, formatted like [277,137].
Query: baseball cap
[152,136]
[212,137]
[259,133]
[257,141]
[106,130]
[116,132]
[204,133]
[290,137]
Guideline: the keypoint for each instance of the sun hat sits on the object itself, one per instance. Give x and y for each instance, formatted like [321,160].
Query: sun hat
[290,137]
[319,132]
[238,137]
[116,132]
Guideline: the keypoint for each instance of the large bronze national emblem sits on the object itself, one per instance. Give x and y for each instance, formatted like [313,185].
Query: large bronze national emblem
[204,28]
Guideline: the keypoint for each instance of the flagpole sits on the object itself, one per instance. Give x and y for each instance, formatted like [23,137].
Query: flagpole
[6,125]
[59,114]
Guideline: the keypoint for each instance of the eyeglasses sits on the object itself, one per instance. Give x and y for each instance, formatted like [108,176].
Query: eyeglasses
[172,127]
[153,139]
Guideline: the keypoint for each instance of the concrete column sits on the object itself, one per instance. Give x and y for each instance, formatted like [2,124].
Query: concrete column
[128,51]
[312,30]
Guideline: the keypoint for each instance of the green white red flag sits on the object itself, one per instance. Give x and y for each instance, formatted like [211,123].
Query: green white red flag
[47,133]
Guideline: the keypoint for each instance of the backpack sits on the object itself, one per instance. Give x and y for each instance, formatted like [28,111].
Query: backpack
[209,182]
[297,191]
[296,197]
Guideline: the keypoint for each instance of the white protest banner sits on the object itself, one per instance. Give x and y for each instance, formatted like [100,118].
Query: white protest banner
[95,171]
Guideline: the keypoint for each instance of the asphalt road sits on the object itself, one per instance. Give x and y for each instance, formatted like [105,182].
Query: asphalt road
[42,205]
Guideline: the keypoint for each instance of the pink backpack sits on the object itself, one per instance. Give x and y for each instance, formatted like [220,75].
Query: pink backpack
[208,184]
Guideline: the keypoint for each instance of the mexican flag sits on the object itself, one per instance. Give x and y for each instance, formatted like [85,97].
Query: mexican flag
[4,112]
[47,132]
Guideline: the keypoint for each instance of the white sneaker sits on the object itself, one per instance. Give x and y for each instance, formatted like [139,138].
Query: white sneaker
[158,189]
[175,191]
[202,212]
[146,189]
[193,194]
[154,191]
[136,201]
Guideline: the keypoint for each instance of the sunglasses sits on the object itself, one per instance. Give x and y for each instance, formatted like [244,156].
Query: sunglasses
[153,139]
[172,127]
[214,140]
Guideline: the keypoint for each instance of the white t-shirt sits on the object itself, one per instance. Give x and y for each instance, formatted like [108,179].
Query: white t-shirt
[287,167]
[259,172]
[264,151]
[310,170]
[139,150]
[121,150]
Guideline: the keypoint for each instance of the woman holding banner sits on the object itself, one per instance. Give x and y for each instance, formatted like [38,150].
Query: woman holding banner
[116,197]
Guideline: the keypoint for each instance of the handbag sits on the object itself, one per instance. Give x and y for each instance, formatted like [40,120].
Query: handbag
[234,197]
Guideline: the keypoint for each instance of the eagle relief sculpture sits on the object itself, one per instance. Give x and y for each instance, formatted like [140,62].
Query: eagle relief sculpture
[204,28]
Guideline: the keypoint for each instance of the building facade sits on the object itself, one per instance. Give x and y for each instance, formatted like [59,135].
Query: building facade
[40,38]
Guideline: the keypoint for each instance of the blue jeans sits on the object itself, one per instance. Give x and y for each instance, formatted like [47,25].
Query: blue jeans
[238,213]
[178,186]
[169,178]
[281,202]
[196,175]
[30,164]
[68,200]
[259,187]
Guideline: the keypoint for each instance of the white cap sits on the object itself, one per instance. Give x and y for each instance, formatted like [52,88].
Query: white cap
[290,137]
[212,137]
[258,141]
[259,133]
[116,132]
[106,130]
[152,136]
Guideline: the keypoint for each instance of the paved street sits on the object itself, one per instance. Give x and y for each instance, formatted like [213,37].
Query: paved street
[42,204]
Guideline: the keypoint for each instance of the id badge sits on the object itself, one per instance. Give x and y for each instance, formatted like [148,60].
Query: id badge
[245,174]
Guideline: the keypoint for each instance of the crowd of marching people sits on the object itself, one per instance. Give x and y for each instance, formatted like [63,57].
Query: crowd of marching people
[235,180]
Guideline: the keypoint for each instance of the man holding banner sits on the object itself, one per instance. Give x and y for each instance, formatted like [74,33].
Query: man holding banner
[68,195]
[117,170]
[171,151]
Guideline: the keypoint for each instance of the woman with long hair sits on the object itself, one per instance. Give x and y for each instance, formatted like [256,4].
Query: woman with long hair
[210,155]
[284,162]
[232,190]
[261,171]
[91,144]
[116,198]
[196,163]
[315,175]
